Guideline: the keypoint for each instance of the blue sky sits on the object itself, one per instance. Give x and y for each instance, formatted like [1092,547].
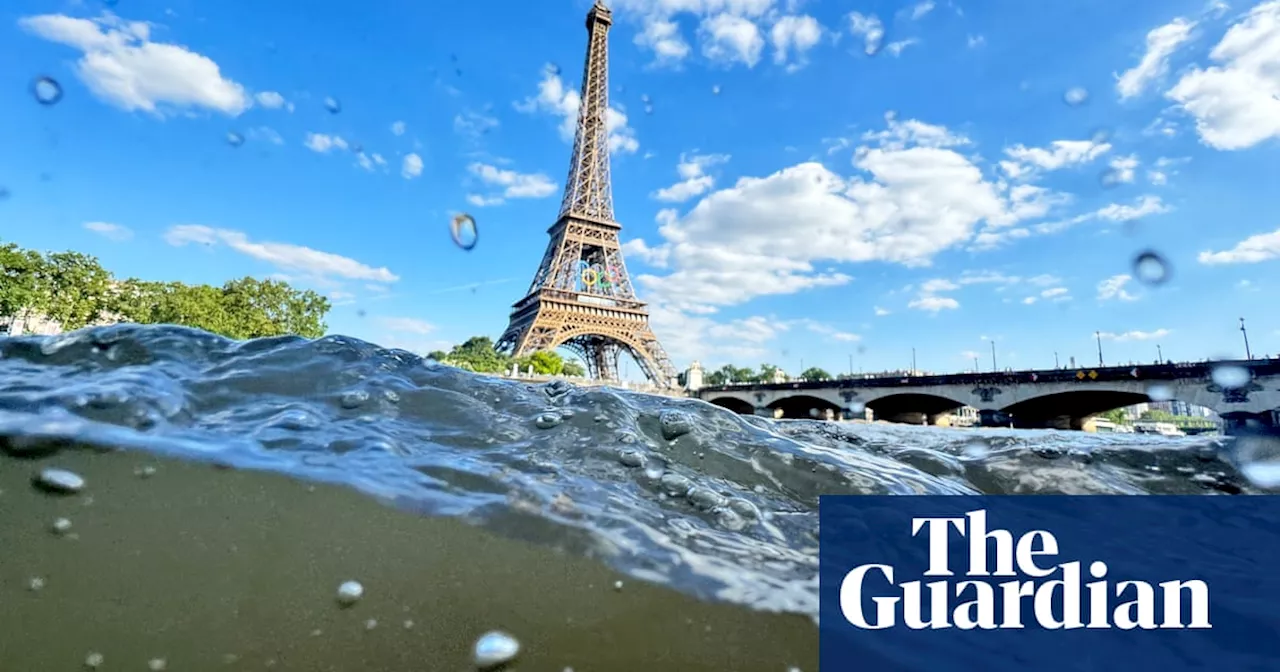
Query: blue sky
[799,182]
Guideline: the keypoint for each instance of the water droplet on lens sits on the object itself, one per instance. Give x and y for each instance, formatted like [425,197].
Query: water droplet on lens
[93,661]
[644,98]
[1150,268]
[59,481]
[1259,460]
[47,90]
[349,593]
[1230,376]
[1111,178]
[648,108]
[1076,95]
[332,105]
[494,649]
[235,139]
[1160,393]
[1100,135]
[4,194]
[463,230]
[715,90]
[857,407]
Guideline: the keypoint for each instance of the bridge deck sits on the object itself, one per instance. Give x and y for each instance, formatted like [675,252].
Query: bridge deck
[1176,371]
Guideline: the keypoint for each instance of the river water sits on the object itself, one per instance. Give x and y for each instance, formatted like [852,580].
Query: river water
[669,491]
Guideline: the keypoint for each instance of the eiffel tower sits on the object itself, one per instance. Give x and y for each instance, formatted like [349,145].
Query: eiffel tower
[581,297]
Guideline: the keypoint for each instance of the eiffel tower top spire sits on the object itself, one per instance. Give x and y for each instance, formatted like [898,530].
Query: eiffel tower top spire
[588,191]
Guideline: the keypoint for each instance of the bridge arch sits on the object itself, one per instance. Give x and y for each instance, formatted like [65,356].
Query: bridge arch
[739,406]
[1069,409]
[804,407]
[912,407]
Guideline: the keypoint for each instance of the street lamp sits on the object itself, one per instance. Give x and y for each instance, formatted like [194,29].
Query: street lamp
[1098,335]
[1055,360]
[1159,354]
[993,355]
[975,363]
[913,361]
[1247,353]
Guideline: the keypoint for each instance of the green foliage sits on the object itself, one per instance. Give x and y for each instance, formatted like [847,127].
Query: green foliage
[478,354]
[73,289]
[1115,415]
[815,373]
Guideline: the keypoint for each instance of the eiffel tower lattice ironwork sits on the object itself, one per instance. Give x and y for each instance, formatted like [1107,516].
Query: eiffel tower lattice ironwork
[581,297]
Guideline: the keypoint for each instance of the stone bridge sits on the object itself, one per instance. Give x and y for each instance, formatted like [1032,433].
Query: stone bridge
[1242,392]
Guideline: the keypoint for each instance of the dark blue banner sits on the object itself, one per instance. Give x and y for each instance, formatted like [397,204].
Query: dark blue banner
[1050,583]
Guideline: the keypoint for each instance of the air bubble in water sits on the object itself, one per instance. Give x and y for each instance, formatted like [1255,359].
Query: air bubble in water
[36,584]
[1150,268]
[59,481]
[349,593]
[463,230]
[47,90]
[631,458]
[976,450]
[93,661]
[235,139]
[1160,393]
[157,664]
[1230,376]
[1075,95]
[547,421]
[61,526]
[494,649]
[332,105]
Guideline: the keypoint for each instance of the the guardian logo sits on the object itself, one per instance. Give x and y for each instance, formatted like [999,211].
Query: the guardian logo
[1049,601]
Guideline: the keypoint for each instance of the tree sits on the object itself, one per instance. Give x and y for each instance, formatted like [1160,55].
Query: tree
[75,291]
[815,373]
[766,374]
[1157,415]
[544,363]
[574,369]
[1116,415]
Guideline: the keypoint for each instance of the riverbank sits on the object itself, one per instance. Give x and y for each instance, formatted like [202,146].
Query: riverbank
[204,568]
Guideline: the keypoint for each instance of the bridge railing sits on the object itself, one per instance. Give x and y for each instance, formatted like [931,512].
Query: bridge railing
[1170,372]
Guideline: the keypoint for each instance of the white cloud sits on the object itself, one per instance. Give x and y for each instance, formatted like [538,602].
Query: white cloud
[729,39]
[975,41]
[321,143]
[1251,250]
[484,201]
[1113,288]
[794,36]
[514,184]
[662,36]
[409,325]
[1122,170]
[1060,154]
[411,166]
[934,304]
[474,124]
[1144,206]
[272,100]
[284,256]
[110,231]
[694,179]
[921,9]
[869,28]
[895,48]
[880,312]
[123,67]
[1056,294]
[555,99]
[1161,43]
[399,127]
[1236,104]
[1134,335]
